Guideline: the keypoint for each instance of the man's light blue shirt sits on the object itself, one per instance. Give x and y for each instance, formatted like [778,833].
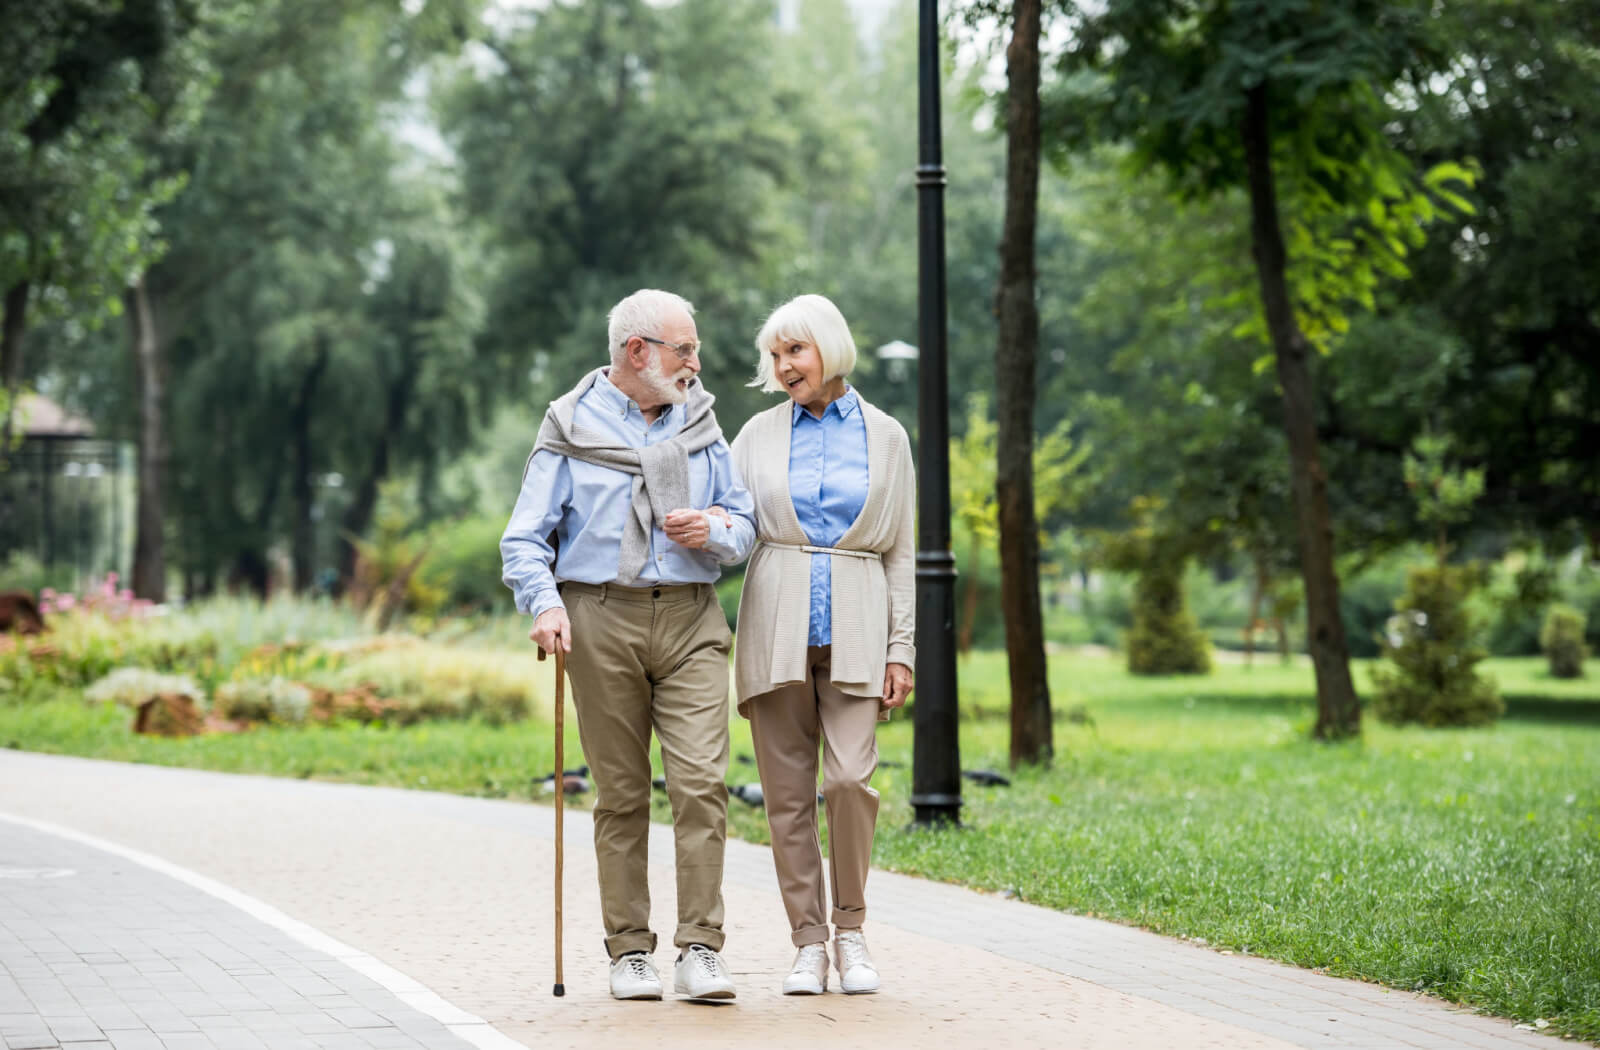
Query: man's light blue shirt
[588,505]
[828,480]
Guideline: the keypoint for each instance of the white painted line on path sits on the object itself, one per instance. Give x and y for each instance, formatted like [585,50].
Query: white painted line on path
[470,1027]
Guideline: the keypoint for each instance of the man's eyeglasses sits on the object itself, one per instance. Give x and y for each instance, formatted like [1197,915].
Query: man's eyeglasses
[683,350]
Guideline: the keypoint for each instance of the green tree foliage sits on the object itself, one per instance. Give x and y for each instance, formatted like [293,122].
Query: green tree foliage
[358,353]
[1516,287]
[1057,469]
[85,87]
[1288,101]
[305,259]
[1444,494]
[600,157]
[1561,638]
[1154,322]
[1431,643]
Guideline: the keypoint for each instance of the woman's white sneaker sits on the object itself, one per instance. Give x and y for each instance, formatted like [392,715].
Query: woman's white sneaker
[857,975]
[809,976]
[633,976]
[701,974]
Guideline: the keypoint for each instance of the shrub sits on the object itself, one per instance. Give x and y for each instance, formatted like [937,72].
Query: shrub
[273,699]
[421,681]
[464,563]
[1434,680]
[1523,586]
[1367,597]
[132,686]
[21,571]
[83,647]
[1164,638]
[1561,638]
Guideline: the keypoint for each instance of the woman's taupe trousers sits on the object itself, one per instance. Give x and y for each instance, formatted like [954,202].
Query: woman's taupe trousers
[787,725]
[643,658]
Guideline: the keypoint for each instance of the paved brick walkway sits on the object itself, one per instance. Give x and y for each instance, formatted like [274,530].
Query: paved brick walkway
[100,953]
[437,905]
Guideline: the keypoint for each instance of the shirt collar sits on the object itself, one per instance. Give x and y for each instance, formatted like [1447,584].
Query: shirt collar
[621,404]
[842,407]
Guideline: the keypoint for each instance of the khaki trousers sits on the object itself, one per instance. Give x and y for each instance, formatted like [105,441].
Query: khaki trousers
[786,726]
[643,658]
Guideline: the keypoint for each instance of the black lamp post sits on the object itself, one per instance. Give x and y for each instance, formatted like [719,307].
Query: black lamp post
[936,751]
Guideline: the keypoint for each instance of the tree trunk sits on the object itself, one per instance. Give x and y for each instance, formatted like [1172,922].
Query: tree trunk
[358,516]
[1338,709]
[302,544]
[16,324]
[149,547]
[1014,367]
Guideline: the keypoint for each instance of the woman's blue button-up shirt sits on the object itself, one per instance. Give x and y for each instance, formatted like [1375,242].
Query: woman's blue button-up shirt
[828,485]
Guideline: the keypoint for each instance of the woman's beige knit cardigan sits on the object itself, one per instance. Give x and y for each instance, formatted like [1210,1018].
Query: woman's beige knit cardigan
[874,602]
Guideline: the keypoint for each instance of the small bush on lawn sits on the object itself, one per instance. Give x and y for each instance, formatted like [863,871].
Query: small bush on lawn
[21,571]
[1367,595]
[423,681]
[264,700]
[1164,638]
[132,686]
[1561,638]
[84,647]
[463,563]
[1430,641]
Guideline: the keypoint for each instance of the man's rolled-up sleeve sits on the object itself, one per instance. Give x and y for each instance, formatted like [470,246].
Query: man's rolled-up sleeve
[526,557]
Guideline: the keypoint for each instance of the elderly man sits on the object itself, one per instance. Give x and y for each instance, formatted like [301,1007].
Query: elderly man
[632,476]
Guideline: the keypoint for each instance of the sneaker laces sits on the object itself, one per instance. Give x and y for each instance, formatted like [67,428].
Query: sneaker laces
[708,961]
[637,966]
[853,949]
[809,957]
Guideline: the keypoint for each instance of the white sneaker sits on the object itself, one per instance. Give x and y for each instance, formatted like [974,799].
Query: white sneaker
[634,977]
[857,975]
[809,975]
[701,974]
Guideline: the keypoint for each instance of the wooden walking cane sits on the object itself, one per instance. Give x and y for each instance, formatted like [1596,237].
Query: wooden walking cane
[561,794]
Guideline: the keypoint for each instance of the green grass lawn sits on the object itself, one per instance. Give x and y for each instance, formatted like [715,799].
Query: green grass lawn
[1462,862]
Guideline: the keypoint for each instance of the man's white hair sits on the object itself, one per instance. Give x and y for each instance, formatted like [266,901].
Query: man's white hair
[805,319]
[640,314]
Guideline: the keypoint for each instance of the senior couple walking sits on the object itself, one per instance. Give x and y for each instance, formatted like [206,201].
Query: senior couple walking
[631,504]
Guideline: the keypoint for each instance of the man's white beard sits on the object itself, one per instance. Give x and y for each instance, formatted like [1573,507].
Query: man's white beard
[665,385]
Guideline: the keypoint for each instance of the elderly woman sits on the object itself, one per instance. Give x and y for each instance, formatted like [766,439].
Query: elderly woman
[826,623]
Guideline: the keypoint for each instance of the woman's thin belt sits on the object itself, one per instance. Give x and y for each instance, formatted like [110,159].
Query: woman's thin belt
[809,549]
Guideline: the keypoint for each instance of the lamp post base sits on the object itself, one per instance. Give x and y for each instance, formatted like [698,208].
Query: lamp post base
[934,811]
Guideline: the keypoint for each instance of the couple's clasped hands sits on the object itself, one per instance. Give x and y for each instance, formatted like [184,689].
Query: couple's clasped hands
[687,528]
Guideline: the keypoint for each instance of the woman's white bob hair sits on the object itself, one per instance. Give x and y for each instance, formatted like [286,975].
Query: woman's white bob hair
[805,319]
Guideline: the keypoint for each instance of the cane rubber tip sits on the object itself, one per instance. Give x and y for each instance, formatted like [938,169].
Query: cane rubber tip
[561,990]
